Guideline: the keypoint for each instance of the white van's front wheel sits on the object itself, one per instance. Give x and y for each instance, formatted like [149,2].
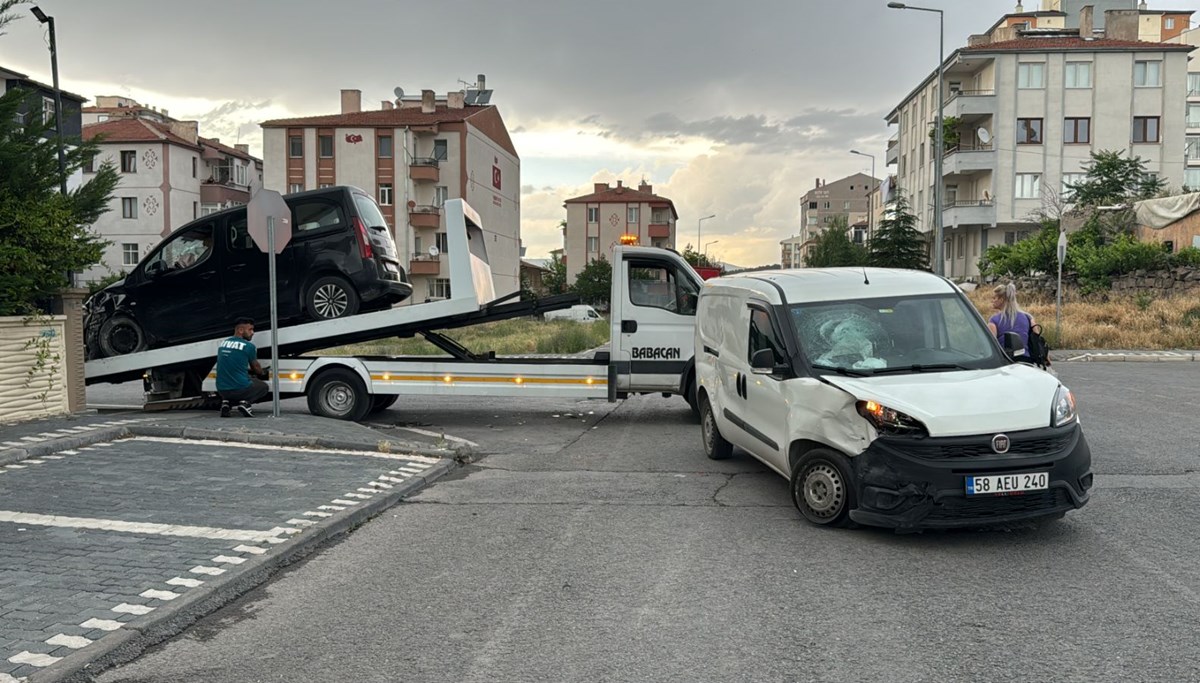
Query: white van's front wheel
[823,488]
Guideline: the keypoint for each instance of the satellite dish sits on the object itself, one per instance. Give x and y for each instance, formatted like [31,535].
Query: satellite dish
[399,92]
[433,251]
[984,136]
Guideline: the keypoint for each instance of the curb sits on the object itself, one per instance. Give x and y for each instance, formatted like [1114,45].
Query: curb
[34,450]
[173,618]
[1150,357]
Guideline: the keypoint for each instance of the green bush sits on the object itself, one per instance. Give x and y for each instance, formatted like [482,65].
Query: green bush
[1188,256]
[1097,265]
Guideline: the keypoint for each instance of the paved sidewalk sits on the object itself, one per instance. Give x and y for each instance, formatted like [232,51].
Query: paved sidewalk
[117,532]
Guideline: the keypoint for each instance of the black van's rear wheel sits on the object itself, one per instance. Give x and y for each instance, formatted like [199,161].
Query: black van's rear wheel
[339,393]
[121,335]
[330,297]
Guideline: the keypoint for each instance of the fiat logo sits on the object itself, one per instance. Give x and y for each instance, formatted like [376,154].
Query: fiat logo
[1000,443]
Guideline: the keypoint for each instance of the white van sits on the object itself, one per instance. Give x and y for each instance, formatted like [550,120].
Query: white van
[579,313]
[884,400]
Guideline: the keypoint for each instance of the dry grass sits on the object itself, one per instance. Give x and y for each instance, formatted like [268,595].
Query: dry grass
[1123,322]
[506,337]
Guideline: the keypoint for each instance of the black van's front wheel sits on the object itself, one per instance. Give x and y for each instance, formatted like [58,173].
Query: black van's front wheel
[120,335]
[330,297]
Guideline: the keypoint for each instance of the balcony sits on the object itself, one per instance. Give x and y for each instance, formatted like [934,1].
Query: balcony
[660,230]
[965,159]
[424,170]
[969,105]
[969,212]
[893,150]
[424,264]
[425,216]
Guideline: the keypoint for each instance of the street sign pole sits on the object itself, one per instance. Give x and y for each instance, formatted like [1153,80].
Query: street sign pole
[274,320]
[1062,256]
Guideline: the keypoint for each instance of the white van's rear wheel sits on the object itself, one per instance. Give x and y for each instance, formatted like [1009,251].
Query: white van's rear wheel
[339,393]
[823,488]
[715,445]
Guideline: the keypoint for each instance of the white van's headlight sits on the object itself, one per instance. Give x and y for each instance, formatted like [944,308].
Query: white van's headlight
[889,421]
[1064,407]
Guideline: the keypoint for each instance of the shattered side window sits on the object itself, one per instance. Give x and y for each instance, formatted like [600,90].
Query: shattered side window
[843,335]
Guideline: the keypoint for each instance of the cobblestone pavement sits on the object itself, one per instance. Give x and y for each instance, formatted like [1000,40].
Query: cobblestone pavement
[98,539]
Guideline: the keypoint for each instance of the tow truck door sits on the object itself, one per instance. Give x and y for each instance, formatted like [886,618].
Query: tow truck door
[653,319]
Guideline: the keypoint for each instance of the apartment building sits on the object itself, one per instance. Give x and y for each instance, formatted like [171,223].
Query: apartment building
[1154,26]
[597,222]
[1191,171]
[848,198]
[1026,113]
[412,154]
[43,104]
[790,254]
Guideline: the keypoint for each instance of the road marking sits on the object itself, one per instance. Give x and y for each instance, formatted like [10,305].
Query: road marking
[31,439]
[299,522]
[69,452]
[253,549]
[73,642]
[126,608]
[314,513]
[53,457]
[394,480]
[335,508]
[365,490]
[135,527]
[276,541]
[33,660]
[226,559]
[379,484]
[5,678]
[159,595]
[49,435]
[439,435]
[293,449]
[211,571]
[359,496]
[16,467]
[186,583]
[102,624]
[339,501]
[13,444]
[34,461]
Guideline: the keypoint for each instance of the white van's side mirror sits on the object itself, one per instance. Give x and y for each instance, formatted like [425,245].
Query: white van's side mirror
[763,362]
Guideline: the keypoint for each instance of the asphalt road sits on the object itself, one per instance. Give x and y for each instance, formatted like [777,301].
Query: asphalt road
[604,546]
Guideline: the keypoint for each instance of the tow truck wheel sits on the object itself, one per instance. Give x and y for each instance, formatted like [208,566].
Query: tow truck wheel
[715,445]
[822,488]
[330,297]
[339,393]
[120,335]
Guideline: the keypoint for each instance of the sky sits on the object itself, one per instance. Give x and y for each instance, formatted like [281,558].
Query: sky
[726,108]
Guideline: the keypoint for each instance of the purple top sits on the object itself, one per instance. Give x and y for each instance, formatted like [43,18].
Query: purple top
[1021,326]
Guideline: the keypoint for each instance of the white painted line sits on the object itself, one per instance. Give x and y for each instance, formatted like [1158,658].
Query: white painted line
[366,490]
[15,467]
[73,642]
[69,452]
[339,501]
[211,571]
[252,549]
[299,522]
[159,595]
[134,527]
[102,624]
[335,508]
[53,457]
[379,484]
[34,461]
[226,559]
[5,678]
[32,659]
[276,541]
[394,480]
[409,470]
[293,449]
[313,513]
[126,608]
[31,439]
[88,428]
[103,445]
[14,444]
[49,435]
[360,496]
[64,432]
[186,583]
[439,435]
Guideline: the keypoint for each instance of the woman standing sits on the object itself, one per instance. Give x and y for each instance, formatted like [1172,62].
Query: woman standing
[1009,317]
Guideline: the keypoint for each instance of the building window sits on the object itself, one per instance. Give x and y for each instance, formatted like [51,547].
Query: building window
[439,288]
[1029,185]
[441,150]
[812,220]
[1029,131]
[89,164]
[1194,85]
[239,173]
[325,146]
[385,194]
[1147,74]
[812,205]
[206,209]
[846,204]
[441,242]
[440,194]
[1069,179]
[593,214]
[1077,131]
[48,112]
[962,246]
[128,207]
[1191,179]
[593,245]
[385,146]
[1078,75]
[631,214]
[1193,148]
[1193,116]
[1145,129]
[295,146]
[322,186]
[1169,23]
[195,210]
[293,188]
[193,167]
[1031,75]
[129,254]
[128,161]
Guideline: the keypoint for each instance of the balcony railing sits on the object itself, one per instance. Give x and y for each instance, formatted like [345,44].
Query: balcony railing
[424,161]
[966,203]
[969,93]
[426,208]
[968,147]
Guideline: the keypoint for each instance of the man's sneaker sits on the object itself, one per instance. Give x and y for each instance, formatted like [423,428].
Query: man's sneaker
[225,410]
[244,409]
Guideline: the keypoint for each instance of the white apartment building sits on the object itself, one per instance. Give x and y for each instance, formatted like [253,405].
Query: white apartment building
[412,154]
[599,221]
[790,254]
[1191,172]
[1029,112]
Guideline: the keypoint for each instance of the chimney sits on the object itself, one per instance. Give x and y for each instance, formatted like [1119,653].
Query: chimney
[1020,8]
[188,130]
[455,100]
[428,102]
[643,187]
[351,101]
[215,141]
[1121,24]
[242,147]
[1087,21]
[482,81]
[599,187]
[620,187]
[410,103]
[386,105]
[1142,6]
[165,114]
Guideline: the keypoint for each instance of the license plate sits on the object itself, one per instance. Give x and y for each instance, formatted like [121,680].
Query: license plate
[390,267]
[1007,483]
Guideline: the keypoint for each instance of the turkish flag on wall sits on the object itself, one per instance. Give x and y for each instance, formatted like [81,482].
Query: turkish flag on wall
[496,177]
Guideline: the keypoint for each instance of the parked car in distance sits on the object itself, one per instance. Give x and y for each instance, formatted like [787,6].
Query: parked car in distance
[341,260]
[579,313]
[883,399]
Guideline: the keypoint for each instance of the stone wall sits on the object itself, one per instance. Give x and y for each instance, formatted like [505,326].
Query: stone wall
[1179,280]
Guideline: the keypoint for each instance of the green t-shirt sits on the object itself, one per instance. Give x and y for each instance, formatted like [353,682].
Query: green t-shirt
[233,364]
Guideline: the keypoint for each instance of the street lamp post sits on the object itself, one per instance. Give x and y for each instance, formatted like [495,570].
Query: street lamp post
[698,224]
[870,195]
[706,246]
[939,132]
[62,162]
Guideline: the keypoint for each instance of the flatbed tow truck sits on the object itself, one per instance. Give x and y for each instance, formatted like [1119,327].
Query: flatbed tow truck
[652,318]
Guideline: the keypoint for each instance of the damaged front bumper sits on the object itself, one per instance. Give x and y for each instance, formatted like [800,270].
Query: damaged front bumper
[920,483]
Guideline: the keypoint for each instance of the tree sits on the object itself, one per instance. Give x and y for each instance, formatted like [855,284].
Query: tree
[6,14]
[1114,180]
[951,135]
[697,259]
[832,248]
[555,281]
[594,282]
[43,234]
[897,243]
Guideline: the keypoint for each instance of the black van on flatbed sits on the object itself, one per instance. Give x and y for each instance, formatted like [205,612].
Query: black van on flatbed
[341,260]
